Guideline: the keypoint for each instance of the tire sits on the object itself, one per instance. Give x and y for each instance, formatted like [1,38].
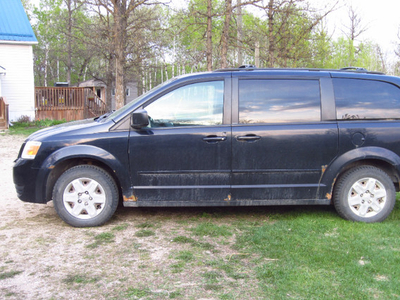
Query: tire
[85,196]
[364,194]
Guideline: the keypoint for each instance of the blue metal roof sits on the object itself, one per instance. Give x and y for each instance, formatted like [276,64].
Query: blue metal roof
[14,23]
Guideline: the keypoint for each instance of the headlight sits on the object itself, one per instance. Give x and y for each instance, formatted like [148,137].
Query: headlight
[30,150]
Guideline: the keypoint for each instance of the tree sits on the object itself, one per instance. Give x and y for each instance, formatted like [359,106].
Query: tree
[101,48]
[123,13]
[355,29]
[73,13]
[198,30]
[286,34]
[226,36]
[60,53]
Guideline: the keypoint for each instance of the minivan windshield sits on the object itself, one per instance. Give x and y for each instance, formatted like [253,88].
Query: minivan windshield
[127,107]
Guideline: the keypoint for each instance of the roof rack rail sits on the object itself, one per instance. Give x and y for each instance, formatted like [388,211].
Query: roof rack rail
[247,66]
[254,68]
[354,69]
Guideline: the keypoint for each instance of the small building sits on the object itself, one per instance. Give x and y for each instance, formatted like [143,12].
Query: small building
[100,89]
[16,60]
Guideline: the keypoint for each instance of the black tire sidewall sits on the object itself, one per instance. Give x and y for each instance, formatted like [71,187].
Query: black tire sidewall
[346,182]
[95,173]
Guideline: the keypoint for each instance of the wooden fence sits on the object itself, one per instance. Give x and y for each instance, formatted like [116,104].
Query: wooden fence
[4,117]
[69,103]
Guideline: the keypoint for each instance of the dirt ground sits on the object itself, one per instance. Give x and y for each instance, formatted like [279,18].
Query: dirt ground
[44,258]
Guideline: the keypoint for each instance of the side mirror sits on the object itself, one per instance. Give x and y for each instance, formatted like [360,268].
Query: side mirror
[139,119]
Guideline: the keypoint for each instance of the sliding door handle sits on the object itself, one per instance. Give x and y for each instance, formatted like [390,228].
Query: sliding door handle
[248,138]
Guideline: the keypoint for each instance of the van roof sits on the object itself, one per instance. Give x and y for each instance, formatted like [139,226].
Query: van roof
[254,68]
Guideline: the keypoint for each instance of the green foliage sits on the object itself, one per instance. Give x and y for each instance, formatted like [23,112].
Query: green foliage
[27,127]
[161,43]
[189,32]
[345,53]
[54,35]
[321,49]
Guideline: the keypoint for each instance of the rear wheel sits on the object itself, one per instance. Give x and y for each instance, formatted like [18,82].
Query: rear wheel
[364,194]
[85,196]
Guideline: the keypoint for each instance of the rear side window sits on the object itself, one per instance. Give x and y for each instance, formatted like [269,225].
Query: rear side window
[279,101]
[366,99]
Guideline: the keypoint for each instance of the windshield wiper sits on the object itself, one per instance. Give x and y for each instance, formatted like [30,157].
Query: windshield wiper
[99,118]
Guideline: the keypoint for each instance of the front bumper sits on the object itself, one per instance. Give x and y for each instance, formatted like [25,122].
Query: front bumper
[25,180]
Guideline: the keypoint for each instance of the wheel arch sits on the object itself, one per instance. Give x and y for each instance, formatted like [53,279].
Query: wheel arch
[381,158]
[68,157]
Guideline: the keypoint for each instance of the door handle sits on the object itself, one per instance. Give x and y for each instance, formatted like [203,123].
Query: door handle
[248,138]
[214,139]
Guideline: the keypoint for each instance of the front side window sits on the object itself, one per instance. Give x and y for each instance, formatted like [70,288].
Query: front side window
[198,104]
[279,101]
[358,99]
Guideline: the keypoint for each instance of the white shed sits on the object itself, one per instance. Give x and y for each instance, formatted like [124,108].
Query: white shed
[16,60]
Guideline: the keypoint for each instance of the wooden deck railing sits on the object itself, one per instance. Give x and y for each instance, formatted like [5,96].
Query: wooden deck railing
[69,103]
[4,117]
[95,105]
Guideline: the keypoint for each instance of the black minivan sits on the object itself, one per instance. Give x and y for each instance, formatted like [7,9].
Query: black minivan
[231,137]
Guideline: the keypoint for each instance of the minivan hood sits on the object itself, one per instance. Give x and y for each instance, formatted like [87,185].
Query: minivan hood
[81,125]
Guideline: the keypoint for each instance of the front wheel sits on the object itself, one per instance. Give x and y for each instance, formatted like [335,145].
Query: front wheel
[364,194]
[85,196]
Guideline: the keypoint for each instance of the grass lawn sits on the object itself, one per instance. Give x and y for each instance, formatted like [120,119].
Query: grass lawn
[316,255]
[27,128]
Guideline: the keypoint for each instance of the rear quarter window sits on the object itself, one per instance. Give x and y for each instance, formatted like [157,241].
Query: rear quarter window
[358,99]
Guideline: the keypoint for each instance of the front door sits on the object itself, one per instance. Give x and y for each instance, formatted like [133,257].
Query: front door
[184,155]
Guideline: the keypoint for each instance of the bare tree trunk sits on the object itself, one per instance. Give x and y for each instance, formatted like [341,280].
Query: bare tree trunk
[120,58]
[69,37]
[382,59]
[109,84]
[355,30]
[271,39]
[240,32]
[209,36]
[225,33]
[46,62]
[257,54]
